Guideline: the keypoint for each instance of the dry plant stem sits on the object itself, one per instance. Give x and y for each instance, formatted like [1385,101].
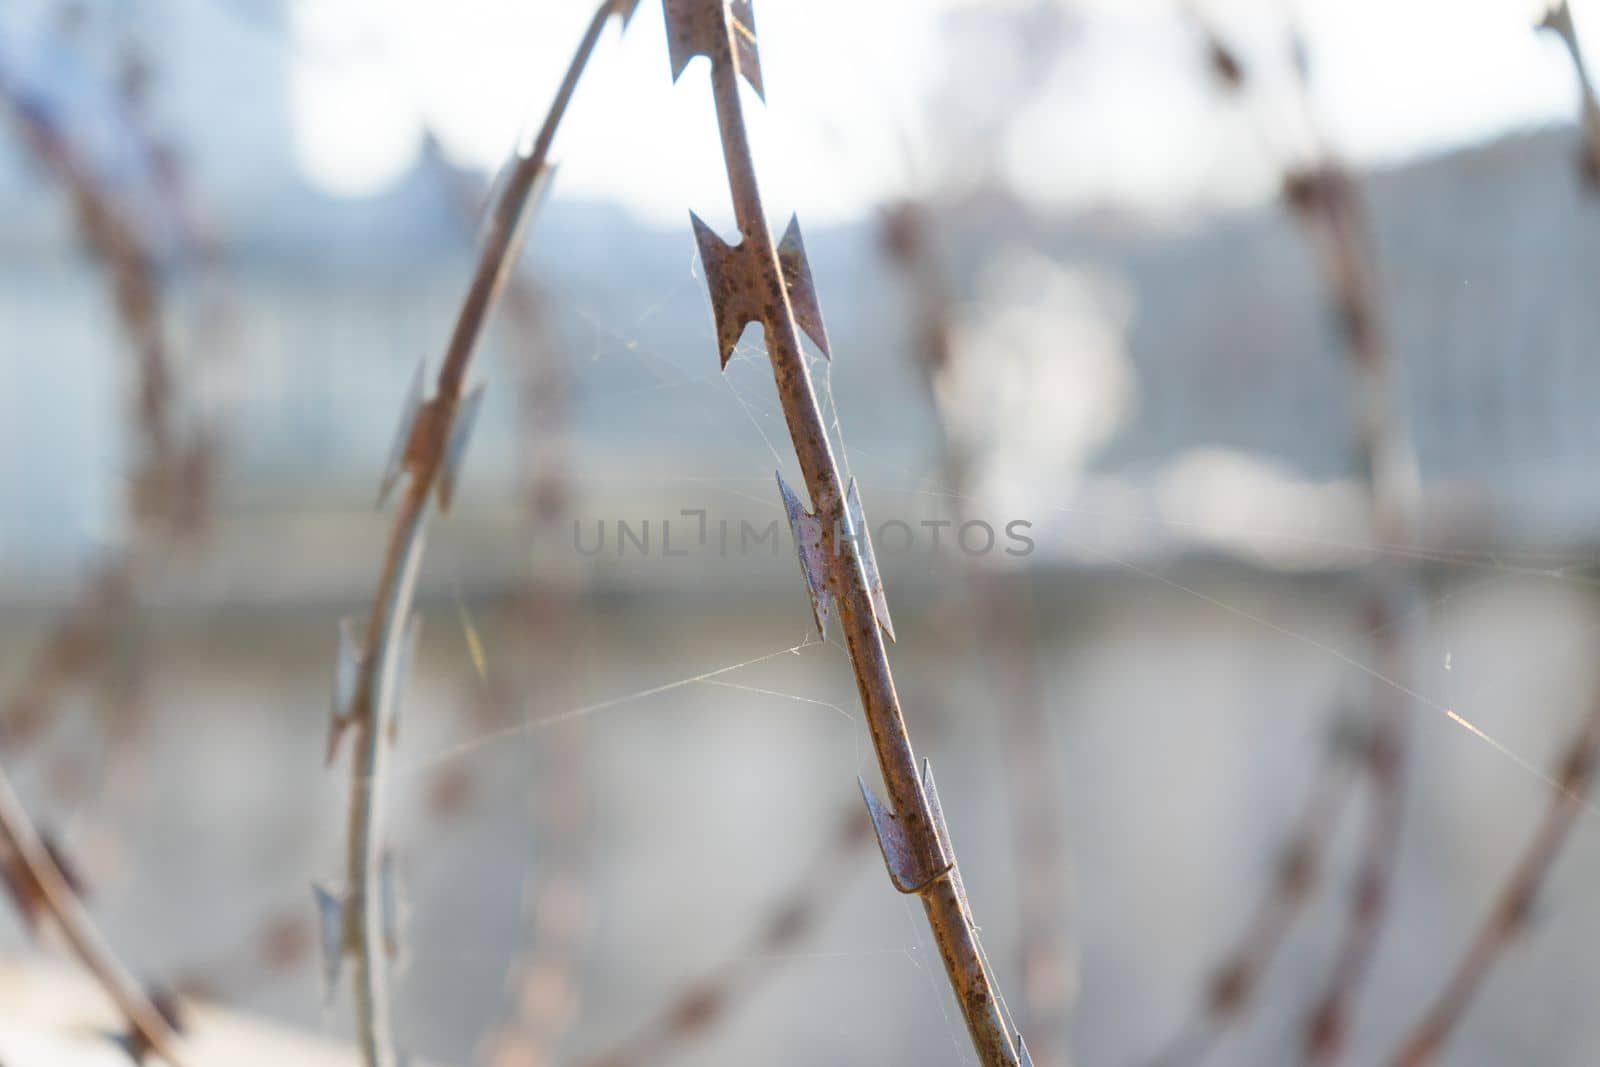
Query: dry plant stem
[1005,616]
[149,1026]
[755,283]
[1510,914]
[692,1014]
[372,708]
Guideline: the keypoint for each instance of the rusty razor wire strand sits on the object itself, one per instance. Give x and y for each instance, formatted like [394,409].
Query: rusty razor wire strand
[1510,914]
[168,486]
[693,1013]
[1325,198]
[1512,908]
[544,989]
[373,658]
[167,501]
[41,884]
[1006,617]
[1558,20]
[1232,986]
[1328,201]
[769,282]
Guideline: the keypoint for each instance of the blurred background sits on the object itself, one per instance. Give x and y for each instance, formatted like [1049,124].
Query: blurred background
[1064,290]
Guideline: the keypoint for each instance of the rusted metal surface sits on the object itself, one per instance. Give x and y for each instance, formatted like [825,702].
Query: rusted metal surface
[749,278]
[429,446]
[909,869]
[737,274]
[697,28]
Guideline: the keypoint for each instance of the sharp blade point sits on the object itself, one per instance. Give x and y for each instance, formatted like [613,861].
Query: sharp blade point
[743,14]
[704,28]
[346,682]
[624,10]
[905,872]
[402,438]
[802,290]
[734,301]
[331,928]
[807,531]
[869,559]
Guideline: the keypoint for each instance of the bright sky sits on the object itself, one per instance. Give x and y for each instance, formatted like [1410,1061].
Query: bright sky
[1126,115]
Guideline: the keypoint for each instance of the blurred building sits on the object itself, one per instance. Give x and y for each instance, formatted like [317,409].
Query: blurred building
[1235,383]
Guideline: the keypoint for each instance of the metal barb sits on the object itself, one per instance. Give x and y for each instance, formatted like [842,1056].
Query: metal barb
[936,811]
[699,28]
[802,292]
[333,936]
[346,681]
[428,446]
[402,437]
[907,870]
[1558,20]
[738,282]
[624,10]
[861,533]
[814,560]
[742,290]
